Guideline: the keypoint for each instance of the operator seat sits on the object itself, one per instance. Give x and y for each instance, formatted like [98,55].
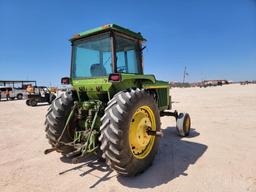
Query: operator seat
[98,70]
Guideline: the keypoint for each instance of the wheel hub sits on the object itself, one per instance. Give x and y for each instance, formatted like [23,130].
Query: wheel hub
[187,124]
[140,142]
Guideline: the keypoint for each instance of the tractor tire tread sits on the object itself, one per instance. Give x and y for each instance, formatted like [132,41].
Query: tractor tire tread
[112,134]
[55,121]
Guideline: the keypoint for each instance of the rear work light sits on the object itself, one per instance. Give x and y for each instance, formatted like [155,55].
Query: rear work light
[114,77]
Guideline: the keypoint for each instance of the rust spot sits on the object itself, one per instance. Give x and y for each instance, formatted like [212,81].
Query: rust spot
[76,36]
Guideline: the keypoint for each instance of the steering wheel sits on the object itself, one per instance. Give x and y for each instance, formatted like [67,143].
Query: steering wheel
[122,69]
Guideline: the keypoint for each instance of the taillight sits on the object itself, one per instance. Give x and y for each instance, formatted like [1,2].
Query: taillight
[114,77]
[65,80]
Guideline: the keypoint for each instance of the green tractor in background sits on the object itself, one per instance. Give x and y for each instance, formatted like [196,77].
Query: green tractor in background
[114,109]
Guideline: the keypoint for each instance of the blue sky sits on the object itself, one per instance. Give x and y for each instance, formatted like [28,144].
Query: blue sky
[213,38]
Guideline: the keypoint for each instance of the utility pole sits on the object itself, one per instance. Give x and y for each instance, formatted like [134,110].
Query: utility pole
[184,74]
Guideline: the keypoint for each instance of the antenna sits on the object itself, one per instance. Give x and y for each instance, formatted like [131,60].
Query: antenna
[184,74]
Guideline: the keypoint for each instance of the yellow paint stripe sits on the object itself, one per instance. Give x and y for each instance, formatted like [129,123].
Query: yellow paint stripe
[156,87]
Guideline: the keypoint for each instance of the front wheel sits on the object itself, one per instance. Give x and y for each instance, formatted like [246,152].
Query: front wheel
[33,102]
[28,102]
[19,96]
[126,144]
[183,124]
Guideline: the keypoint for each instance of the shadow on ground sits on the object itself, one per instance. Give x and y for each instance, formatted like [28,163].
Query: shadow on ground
[173,159]
[41,104]
[92,163]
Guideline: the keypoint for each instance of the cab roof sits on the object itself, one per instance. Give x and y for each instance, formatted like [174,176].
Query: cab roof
[108,27]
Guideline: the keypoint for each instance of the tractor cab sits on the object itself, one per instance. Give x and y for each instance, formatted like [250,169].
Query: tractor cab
[106,50]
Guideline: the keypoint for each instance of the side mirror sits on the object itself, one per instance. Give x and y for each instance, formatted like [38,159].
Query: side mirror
[65,80]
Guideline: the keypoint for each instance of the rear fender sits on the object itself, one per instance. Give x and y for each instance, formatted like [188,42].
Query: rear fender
[160,90]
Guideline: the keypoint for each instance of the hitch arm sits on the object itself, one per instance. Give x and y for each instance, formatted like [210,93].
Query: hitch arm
[60,137]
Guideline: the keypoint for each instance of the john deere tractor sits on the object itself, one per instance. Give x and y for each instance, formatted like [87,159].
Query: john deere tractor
[114,109]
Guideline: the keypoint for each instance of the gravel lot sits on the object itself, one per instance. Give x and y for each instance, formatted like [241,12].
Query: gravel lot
[219,155]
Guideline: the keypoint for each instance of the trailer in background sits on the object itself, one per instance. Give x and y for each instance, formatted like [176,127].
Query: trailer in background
[17,84]
[11,89]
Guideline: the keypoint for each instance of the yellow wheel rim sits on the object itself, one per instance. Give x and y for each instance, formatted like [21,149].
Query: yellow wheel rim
[187,125]
[140,142]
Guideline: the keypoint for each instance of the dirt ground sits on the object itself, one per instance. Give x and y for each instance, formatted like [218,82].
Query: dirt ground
[219,155]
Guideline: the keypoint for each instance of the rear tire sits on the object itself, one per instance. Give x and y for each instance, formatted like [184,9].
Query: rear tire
[19,96]
[55,122]
[28,102]
[51,99]
[116,129]
[33,102]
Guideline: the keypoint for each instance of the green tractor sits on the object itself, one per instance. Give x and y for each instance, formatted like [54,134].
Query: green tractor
[113,109]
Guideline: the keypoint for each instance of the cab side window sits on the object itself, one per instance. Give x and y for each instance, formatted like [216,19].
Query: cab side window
[127,58]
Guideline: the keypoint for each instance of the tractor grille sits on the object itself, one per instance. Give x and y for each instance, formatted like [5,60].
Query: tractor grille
[162,97]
